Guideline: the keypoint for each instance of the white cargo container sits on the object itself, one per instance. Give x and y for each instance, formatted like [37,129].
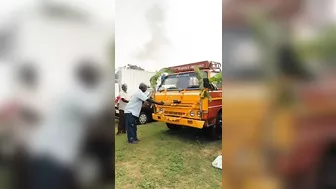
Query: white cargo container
[116,90]
[132,78]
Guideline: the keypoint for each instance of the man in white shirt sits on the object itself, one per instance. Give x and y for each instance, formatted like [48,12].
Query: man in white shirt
[124,98]
[62,90]
[132,112]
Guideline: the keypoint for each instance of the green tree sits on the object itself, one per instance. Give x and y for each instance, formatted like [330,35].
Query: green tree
[321,48]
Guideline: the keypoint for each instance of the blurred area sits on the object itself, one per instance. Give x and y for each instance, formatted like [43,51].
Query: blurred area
[56,94]
[279,108]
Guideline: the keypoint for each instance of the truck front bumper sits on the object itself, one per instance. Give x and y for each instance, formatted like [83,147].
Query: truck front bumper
[179,121]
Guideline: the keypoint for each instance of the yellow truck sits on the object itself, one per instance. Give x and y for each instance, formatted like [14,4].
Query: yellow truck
[185,104]
[278,129]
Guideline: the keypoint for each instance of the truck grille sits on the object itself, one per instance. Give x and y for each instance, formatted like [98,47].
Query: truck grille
[174,113]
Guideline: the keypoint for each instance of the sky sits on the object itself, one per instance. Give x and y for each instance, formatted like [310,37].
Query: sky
[183,30]
[102,10]
[191,31]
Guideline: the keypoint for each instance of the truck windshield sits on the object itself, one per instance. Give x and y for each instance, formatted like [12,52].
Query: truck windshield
[180,82]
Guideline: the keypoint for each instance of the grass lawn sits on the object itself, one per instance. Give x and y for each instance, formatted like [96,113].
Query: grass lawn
[166,159]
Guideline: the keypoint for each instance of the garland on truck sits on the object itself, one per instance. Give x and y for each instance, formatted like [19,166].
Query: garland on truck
[200,75]
[153,79]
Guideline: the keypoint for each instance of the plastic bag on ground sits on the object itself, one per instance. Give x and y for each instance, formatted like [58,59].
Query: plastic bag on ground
[217,163]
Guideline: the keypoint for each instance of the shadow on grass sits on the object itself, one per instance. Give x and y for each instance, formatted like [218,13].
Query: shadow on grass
[188,134]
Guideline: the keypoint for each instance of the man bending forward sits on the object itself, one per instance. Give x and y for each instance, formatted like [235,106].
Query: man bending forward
[132,112]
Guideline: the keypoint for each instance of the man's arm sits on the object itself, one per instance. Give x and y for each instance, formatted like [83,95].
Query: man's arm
[154,102]
[124,100]
[144,98]
[123,97]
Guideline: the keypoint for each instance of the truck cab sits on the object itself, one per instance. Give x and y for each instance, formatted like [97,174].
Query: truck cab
[278,122]
[184,104]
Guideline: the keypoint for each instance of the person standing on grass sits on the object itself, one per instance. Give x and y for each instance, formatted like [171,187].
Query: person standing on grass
[132,112]
[124,99]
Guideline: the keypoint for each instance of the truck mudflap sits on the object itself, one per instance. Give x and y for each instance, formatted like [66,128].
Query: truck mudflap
[179,121]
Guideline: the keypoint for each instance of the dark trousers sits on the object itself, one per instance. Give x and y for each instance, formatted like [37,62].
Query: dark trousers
[121,125]
[131,127]
[47,174]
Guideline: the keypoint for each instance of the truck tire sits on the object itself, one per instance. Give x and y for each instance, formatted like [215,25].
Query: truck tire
[143,118]
[327,172]
[215,131]
[173,126]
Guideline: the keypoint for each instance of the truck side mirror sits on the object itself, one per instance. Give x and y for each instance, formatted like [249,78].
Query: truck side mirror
[206,83]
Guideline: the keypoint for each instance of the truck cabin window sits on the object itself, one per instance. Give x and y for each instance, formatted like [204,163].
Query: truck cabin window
[252,68]
[215,84]
[180,82]
[243,73]
[244,63]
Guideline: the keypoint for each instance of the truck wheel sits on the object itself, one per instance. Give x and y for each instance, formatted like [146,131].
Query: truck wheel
[143,118]
[327,172]
[173,127]
[216,130]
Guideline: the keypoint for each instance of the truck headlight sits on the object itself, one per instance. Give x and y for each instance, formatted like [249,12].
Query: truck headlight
[199,114]
[192,114]
[161,110]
